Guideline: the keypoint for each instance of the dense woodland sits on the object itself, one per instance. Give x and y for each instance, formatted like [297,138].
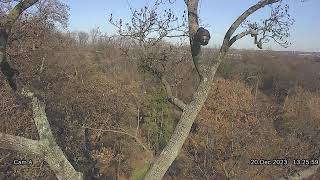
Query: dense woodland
[111,117]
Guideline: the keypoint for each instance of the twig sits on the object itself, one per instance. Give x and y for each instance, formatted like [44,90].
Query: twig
[125,133]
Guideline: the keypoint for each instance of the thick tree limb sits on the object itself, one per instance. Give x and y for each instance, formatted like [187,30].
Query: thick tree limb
[17,11]
[52,153]
[39,117]
[239,36]
[20,144]
[193,21]
[181,132]
[245,33]
[6,24]
[46,147]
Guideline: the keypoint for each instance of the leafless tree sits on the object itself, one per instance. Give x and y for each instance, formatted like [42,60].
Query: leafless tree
[149,25]
[145,21]
[148,28]
[83,38]
[46,147]
[95,35]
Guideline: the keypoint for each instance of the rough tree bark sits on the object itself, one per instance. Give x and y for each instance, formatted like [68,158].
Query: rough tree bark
[46,147]
[206,69]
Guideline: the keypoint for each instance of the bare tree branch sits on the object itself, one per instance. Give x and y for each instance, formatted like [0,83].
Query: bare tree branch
[193,21]
[6,24]
[20,144]
[239,36]
[125,133]
[276,27]
[149,25]
[240,19]
[52,153]
[17,11]
[46,147]
[175,101]
[39,116]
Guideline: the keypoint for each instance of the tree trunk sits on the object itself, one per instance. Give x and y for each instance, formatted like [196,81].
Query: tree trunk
[206,69]
[182,130]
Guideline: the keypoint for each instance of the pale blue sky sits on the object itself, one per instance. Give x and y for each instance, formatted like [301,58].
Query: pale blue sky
[217,14]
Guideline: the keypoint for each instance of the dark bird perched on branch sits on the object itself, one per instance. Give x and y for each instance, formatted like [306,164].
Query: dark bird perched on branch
[10,73]
[202,36]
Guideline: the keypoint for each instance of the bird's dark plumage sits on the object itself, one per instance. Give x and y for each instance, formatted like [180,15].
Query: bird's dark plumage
[203,36]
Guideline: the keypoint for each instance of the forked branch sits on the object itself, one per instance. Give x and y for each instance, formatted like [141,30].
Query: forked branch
[226,41]
[46,147]
[172,99]
[13,15]
[20,144]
